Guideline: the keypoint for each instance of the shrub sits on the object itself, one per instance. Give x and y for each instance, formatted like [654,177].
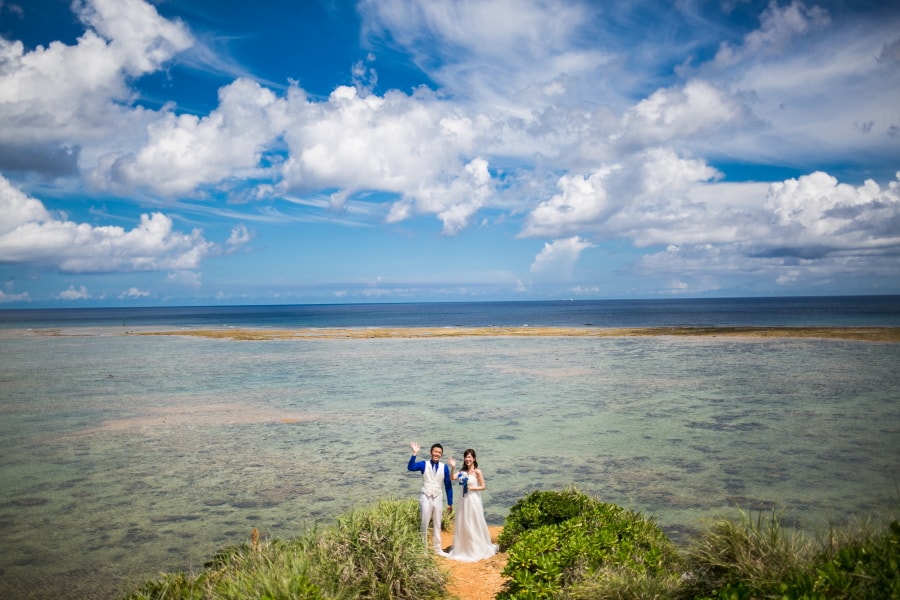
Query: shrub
[561,542]
[541,508]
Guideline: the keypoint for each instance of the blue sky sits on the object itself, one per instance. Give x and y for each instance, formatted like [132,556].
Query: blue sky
[229,152]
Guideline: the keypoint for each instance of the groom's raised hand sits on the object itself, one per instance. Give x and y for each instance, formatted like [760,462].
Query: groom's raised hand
[415,447]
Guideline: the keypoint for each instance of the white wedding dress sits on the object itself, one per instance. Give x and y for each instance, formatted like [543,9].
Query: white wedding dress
[471,538]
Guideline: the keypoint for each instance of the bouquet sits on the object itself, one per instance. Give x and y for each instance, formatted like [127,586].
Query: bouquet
[463,480]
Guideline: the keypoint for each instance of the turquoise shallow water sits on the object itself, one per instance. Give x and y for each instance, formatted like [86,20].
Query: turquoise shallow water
[124,456]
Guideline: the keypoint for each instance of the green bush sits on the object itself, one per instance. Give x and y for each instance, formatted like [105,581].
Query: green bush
[541,508]
[562,542]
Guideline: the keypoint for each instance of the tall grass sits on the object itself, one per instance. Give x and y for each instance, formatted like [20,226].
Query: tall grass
[750,558]
[371,553]
[744,554]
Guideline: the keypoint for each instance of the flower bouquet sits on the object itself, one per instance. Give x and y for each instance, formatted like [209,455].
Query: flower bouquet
[463,480]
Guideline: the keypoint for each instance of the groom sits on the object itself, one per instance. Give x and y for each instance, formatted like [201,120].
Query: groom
[431,500]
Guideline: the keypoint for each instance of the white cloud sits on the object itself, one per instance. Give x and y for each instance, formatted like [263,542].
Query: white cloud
[697,108]
[185,152]
[31,234]
[240,236]
[77,97]
[490,51]
[815,210]
[73,293]
[582,203]
[816,89]
[18,208]
[455,203]
[412,146]
[6,297]
[779,26]
[808,230]
[134,292]
[557,259]
[634,198]
[140,39]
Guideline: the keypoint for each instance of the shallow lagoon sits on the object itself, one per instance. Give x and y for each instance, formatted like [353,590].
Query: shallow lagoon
[125,456]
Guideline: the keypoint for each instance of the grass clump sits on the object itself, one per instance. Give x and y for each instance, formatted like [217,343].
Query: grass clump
[569,545]
[750,558]
[371,553]
[743,559]
[855,563]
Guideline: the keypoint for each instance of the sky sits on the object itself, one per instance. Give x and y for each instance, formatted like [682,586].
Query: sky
[207,152]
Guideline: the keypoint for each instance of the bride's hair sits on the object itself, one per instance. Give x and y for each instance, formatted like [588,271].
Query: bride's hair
[474,460]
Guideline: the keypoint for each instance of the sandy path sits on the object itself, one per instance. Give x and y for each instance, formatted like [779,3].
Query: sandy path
[474,581]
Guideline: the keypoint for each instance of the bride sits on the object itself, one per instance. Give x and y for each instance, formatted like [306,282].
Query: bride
[471,538]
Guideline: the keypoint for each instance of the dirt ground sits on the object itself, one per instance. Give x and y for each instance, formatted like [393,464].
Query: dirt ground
[474,581]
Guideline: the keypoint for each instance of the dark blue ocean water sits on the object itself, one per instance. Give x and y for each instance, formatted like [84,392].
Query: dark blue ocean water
[852,311]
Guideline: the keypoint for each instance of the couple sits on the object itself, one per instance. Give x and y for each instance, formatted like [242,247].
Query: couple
[471,538]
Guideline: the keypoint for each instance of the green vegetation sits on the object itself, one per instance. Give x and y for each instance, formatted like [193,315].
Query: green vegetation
[374,552]
[562,545]
[756,559]
[566,544]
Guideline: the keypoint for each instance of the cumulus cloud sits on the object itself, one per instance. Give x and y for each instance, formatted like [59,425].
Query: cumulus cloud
[633,198]
[697,108]
[240,236]
[809,229]
[582,203]
[455,203]
[56,99]
[31,234]
[819,212]
[412,146]
[185,152]
[73,293]
[557,259]
[9,297]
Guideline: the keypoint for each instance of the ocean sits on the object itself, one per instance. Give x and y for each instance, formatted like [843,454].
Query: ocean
[122,456]
[857,311]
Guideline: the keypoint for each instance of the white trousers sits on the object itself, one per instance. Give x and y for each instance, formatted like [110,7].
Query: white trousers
[431,508]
